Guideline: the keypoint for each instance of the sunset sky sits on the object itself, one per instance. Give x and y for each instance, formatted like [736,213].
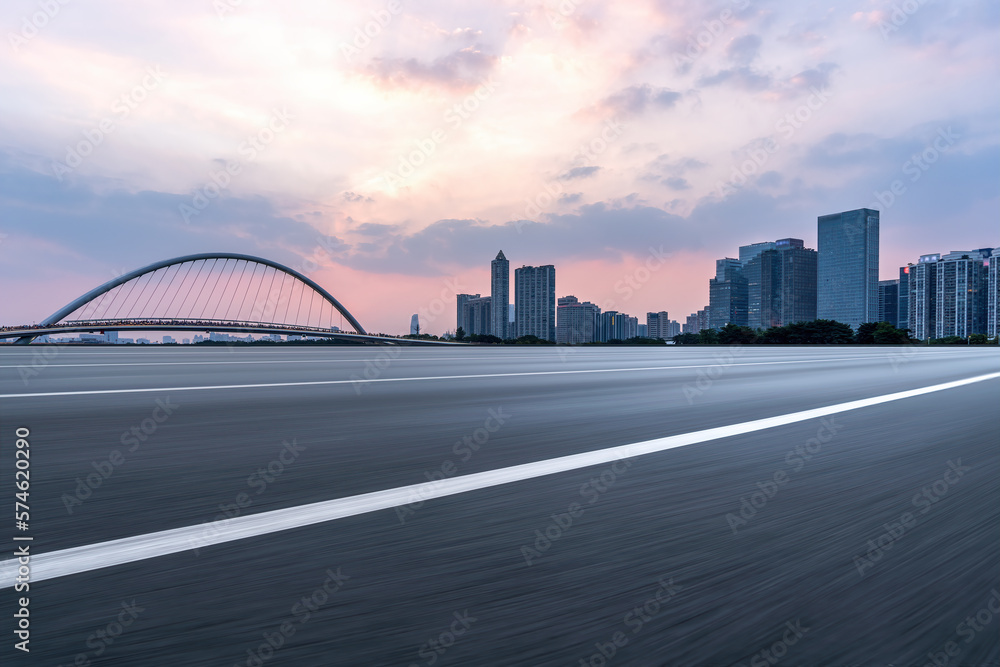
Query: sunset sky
[390,149]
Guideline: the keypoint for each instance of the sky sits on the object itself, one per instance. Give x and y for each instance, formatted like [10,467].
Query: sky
[389,149]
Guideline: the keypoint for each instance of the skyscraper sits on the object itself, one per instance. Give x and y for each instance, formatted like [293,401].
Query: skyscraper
[535,301]
[962,286]
[781,283]
[500,284]
[658,325]
[727,294]
[993,295]
[415,324]
[477,315]
[923,296]
[576,322]
[460,318]
[888,301]
[903,301]
[763,274]
[847,269]
[617,326]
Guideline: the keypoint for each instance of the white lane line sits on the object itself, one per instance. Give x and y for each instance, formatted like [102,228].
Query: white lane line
[307,383]
[130,549]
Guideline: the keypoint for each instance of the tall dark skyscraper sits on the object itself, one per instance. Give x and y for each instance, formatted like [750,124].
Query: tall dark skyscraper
[888,301]
[903,310]
[535,301]
[500,284]
[847,270]
[781,283]
[727,294]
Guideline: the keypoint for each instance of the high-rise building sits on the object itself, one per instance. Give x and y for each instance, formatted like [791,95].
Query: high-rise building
[478,316]
[415,324]
[691,323]
[847,268]
[903,300]
[658,325]
[535,301]
[673,329]
[763,274]
[576,321]
[500,284]
[798,281]
[888,301]
[727,294]
[962,285]
[617,326]
[460,312]
[993,295]
[923,296]
[748,252]
[642,331]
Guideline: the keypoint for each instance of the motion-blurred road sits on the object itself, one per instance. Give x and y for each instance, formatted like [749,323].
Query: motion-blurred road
[868,537]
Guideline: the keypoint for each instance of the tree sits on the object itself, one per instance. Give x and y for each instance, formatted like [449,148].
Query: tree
[732,334]
[709,337]
[460,334]
[687,339]
[887,334]
[866,333]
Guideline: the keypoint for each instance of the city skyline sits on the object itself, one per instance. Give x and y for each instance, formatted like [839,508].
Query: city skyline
[779,116]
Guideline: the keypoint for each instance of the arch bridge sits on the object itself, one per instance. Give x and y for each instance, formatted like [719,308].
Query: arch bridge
[211,292]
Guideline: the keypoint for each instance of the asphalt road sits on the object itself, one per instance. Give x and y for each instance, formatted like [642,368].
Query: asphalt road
[868,537]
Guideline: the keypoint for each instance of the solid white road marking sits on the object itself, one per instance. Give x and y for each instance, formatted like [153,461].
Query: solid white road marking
[130,549]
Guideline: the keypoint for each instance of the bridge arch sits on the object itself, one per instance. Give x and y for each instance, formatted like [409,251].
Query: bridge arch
[182,297]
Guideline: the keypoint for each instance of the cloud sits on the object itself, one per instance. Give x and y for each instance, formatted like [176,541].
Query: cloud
[635,100]
[460,70]
[579,172]
[744,50]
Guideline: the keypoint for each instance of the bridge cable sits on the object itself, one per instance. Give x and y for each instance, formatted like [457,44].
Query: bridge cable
[201,267]
[215,260]
[288,304]
[236,290]
[253,275]
[134,282]
[256,296]
[225,289]
[166,289]
[180,287]
[148,298]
